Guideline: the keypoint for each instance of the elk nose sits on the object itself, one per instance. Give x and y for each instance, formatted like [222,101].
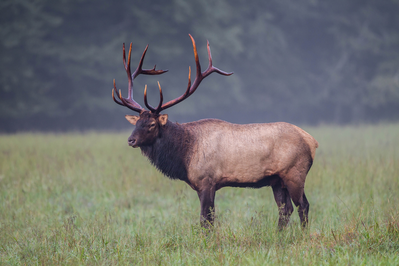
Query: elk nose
[131,142]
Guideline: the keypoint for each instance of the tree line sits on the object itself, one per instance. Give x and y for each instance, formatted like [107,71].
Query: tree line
[306,62]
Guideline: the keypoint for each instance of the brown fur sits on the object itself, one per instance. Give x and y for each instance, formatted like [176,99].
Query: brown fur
[210,154]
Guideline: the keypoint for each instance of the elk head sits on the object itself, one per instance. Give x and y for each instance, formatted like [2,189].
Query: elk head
[149,123]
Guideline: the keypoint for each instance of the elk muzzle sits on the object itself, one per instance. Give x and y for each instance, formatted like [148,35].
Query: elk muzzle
[132,142]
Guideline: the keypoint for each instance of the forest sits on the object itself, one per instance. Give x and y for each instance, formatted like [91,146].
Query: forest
[307,62]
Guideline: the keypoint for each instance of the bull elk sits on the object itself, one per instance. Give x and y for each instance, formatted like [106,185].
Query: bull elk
[210,154]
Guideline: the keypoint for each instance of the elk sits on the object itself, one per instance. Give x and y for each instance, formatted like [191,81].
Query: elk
[210,154]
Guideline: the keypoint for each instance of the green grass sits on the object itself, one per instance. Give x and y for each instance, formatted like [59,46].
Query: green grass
[78,199]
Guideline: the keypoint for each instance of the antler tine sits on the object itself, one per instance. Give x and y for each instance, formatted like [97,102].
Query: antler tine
[211,68]
[139,70]
[113,96]
[199,77]
[197,63]
[145,100]
[139,67]
[128,71]
[152,109]
[160,98]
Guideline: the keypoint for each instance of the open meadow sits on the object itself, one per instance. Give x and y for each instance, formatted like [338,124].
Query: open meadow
[89,199]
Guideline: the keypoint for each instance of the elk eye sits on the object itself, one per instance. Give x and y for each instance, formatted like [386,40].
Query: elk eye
[151,126]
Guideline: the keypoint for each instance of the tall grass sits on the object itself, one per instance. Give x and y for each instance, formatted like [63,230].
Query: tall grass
[70,199]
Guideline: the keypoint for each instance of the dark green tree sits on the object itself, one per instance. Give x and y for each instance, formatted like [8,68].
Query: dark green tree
[306,61]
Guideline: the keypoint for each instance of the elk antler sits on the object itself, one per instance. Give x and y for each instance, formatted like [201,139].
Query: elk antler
[190,88]
[129,102]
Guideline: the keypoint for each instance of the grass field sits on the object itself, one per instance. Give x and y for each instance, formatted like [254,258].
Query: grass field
[89,199]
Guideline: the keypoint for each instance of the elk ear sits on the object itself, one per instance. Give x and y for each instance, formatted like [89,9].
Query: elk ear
[132,119]
[163,119]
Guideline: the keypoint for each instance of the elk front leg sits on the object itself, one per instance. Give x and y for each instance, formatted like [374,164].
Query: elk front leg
[207,200]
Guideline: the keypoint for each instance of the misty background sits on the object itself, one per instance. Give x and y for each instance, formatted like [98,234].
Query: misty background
[305,62]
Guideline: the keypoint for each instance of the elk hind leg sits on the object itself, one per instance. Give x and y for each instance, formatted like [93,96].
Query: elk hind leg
[283,200]
[304,210]
[297,194]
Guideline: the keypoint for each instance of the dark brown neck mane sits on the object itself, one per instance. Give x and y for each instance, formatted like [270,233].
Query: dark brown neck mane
[170,153]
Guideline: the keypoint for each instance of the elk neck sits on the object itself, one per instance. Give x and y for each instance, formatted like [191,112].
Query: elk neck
[171,152]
